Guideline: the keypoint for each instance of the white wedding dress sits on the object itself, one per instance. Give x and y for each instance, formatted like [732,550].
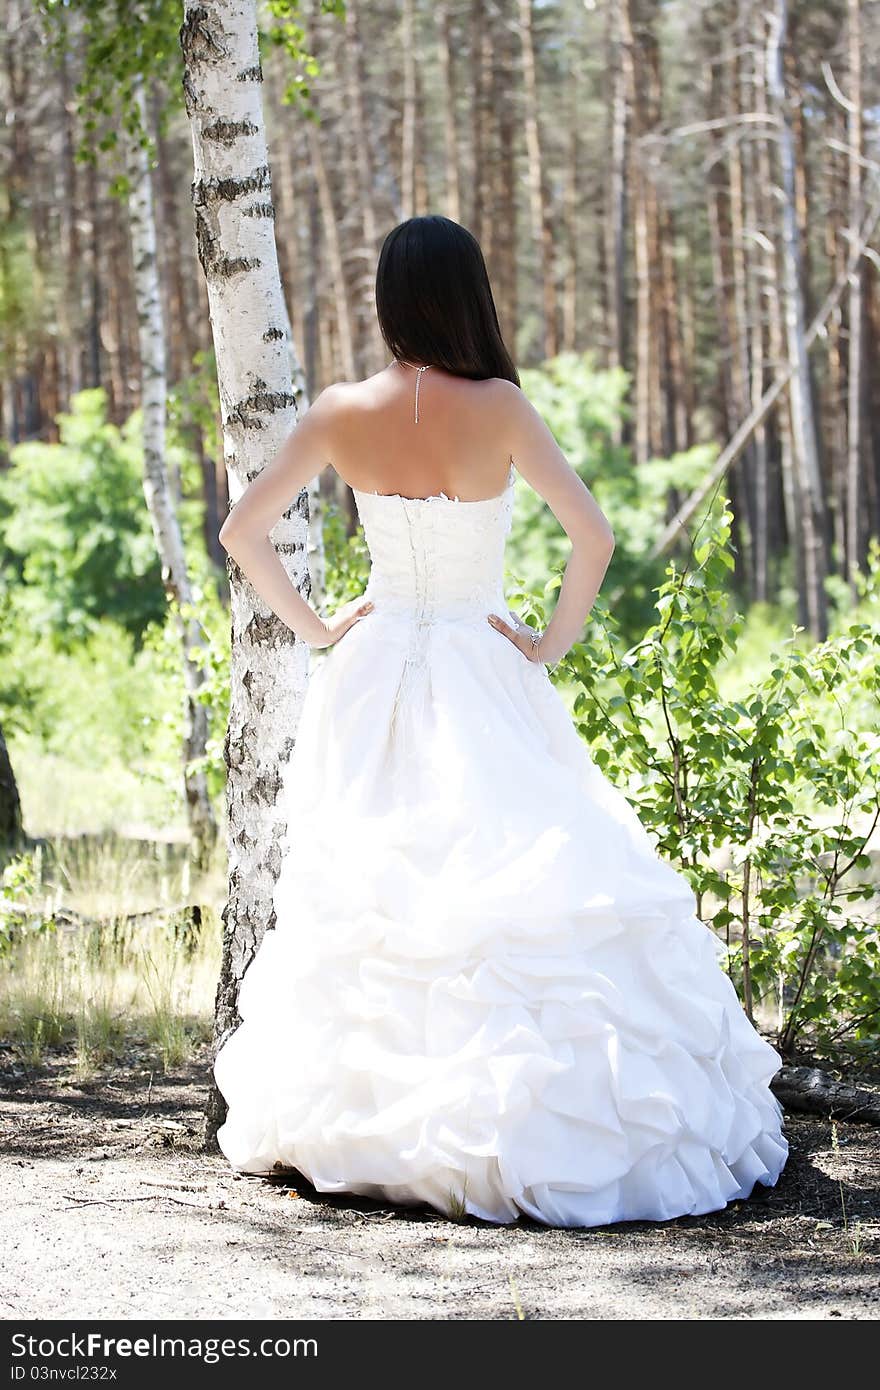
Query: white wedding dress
[484,991]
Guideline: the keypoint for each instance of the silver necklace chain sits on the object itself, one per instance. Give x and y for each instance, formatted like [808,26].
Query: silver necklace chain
[418,372]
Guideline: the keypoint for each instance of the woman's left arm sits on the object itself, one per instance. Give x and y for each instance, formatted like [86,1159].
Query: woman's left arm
[245,532]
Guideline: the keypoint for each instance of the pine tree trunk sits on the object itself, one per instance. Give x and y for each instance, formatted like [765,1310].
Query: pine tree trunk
[614,218]
[506,240]
[232,199]
[542,238]
[806,452]
[408,123]
[369,350]
[333,251]
[855,405]
[450,127]
[754,308]
[834,402]
[638,51]
[70,301]
[739,317]
[157,489]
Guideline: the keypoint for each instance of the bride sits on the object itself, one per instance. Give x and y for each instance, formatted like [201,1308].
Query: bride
[484,990]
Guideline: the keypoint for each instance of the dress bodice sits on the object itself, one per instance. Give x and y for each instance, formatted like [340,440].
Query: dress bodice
[436,557]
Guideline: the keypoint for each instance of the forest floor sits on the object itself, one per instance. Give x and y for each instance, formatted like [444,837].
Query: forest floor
[109,1210]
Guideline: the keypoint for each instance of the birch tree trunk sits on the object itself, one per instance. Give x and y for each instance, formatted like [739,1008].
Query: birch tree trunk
[806,451]
[232,200]
[157,488]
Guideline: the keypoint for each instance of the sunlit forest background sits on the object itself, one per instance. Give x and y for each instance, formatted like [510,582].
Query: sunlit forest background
[678,205]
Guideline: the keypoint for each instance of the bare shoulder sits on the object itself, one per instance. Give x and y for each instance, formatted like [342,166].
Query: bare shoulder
[335,398]
[517,418]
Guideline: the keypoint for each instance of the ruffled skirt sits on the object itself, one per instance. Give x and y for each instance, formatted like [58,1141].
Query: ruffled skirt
[484,990]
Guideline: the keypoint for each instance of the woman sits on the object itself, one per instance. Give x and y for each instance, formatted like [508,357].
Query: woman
[484,990]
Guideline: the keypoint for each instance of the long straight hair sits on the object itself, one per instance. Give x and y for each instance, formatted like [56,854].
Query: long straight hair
[434,301]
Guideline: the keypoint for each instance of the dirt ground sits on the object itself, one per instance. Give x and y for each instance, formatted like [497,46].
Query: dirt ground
[109,1209]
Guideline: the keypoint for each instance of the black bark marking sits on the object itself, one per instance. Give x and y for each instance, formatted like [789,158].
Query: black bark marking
[227,132]
[248,413]
[200,41]
[224,267]
[190,95]
[267,786]
[246,841]
[259,210]
[210,192]
[254,74]
[269,630]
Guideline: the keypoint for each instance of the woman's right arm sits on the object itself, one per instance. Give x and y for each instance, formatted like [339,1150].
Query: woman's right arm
[539,459]
[245,532]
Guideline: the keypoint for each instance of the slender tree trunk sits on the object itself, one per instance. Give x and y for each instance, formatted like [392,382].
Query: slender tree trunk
[333,251]
[70,302]
[92,283]
[506,239]
[806,452]
[542,238]
[157,489]
[119,326]
[834,412]
[450,125]
[739,316]
[570,304]
[614,219]
[174,248]
[370,351]
[754,307]
[638,51]
[232,199]
[855,405]
[872,407]
[408,123]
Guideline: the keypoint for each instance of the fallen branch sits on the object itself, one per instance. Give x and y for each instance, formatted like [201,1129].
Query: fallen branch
[70,917]
[75,1201]
[814,1092]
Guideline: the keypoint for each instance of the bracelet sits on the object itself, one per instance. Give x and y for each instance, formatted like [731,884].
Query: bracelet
[536,638]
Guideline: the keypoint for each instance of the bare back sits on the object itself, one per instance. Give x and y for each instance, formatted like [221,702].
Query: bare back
[453,448]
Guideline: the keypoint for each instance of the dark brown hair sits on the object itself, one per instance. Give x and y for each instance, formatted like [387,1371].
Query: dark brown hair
[434,301]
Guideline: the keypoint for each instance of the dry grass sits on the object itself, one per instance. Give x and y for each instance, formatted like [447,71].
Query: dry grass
[80,987]
[113,978]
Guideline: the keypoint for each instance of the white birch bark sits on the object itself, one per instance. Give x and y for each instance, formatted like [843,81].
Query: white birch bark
[234,216]
[157,486]
[806,449]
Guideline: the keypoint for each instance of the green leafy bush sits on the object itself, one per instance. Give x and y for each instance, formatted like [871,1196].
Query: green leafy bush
[75,538]
[767,802]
